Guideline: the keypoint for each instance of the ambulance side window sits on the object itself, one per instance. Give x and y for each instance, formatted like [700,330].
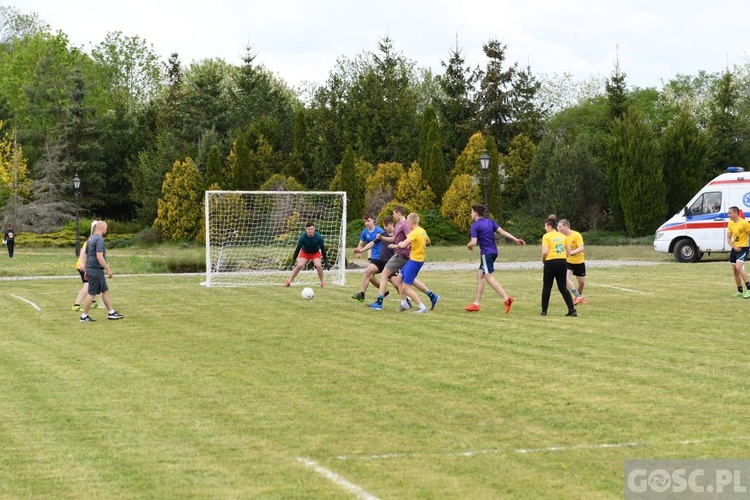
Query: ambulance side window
[708,203]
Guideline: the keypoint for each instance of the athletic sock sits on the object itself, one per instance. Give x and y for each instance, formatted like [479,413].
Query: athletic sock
[747,284]
[739,289]
[575,292]
[404,303]
[430,294]
[380,299]
[111,312]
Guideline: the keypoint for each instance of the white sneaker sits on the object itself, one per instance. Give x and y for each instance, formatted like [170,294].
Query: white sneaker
[422,311]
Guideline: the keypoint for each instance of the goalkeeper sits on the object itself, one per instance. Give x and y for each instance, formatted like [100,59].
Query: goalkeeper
[310,247]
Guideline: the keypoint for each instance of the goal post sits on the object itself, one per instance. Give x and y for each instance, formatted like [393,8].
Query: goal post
[251,235]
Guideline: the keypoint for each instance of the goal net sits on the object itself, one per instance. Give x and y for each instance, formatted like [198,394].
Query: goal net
[251,235]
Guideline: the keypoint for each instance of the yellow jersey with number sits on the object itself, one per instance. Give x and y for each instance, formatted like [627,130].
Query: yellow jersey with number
[555,243]
[418,238]
[739,230]
[575,240]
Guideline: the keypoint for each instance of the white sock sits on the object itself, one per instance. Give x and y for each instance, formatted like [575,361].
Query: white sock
[111,312]
[422,307]
[404,303]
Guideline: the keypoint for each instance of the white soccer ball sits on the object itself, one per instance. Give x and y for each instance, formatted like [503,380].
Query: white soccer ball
[307,293]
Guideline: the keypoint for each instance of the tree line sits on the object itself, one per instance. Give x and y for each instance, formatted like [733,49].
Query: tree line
[147,137]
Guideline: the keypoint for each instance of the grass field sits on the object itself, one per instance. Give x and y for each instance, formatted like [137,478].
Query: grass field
[253,392]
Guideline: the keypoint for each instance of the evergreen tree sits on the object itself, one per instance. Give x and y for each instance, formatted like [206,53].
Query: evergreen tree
[463,192]
[517,164]
[240,165]
[617,104]
[380,186]
[495,97]
[456,107]
[431,153]
[300,164]
[348,179]
[413,190]
[180,208]
[685,161]
[49,209]
[640,181]
[215,174]
[81,140]
[723,125]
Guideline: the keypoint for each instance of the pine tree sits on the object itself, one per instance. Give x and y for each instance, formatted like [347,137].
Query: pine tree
[456,106]
[617,103]
[239,162]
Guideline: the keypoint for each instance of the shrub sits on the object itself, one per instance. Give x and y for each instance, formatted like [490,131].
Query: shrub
[440,229]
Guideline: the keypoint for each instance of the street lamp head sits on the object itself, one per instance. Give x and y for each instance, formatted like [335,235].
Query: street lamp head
[76,183]
[484,161]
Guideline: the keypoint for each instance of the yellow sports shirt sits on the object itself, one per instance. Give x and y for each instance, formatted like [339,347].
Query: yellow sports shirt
[739,230]
[555,242]
[418,238]
[575,240]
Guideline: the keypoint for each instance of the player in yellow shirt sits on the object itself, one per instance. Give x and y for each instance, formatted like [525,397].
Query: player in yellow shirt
[738,236]
[554,255]
[418,240]
[576,264]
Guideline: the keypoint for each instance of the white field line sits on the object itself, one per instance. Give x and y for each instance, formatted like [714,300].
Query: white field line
[489,451]
[27,301]
[622,289]
[336,479]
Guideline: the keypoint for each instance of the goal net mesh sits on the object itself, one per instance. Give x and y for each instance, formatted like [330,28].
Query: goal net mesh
[251,235]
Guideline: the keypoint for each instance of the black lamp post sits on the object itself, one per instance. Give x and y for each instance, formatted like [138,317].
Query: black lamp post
[484,161]
[77,191]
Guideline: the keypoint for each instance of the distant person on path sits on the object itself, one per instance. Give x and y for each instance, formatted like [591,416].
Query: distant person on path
[96,266]
[483,234]
[738,236]
[576,263]
[9,238]
[554,253]
[310,247]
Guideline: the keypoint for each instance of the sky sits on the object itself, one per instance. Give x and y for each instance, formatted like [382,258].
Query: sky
[300,41]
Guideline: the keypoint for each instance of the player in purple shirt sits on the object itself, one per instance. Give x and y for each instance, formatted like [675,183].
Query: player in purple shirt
[483,234]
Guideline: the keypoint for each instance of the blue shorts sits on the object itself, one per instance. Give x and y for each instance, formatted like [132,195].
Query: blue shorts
[487,263]
[740,255]
[410,270]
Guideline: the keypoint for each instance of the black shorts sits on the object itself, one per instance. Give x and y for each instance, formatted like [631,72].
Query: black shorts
[379,264]
[83,276]
[97,282]
[578,269]
[740,255]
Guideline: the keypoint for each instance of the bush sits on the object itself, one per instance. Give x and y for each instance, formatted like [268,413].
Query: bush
[440,229]
[525,226]
[614,238]
[149,236]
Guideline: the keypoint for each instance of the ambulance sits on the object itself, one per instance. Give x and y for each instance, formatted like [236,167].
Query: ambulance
[701,227]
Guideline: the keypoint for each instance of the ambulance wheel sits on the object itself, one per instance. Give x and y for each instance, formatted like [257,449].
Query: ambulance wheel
[685,251]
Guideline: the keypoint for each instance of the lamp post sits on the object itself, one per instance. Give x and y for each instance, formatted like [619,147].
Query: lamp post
[77,191]
[484,161]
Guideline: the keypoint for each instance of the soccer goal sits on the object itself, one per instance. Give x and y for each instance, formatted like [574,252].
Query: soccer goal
[251,235]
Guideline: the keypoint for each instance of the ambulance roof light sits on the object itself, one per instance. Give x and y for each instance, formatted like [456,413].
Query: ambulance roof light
[734,170]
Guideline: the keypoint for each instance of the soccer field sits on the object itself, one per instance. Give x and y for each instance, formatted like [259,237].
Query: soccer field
[254,392]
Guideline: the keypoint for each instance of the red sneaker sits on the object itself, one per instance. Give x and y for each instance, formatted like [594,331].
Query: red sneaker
[508,303]
[323,284]
[578,300]
[472,308]
[287,283]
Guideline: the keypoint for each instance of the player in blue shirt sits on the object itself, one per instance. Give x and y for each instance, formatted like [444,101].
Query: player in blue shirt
[483,234]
